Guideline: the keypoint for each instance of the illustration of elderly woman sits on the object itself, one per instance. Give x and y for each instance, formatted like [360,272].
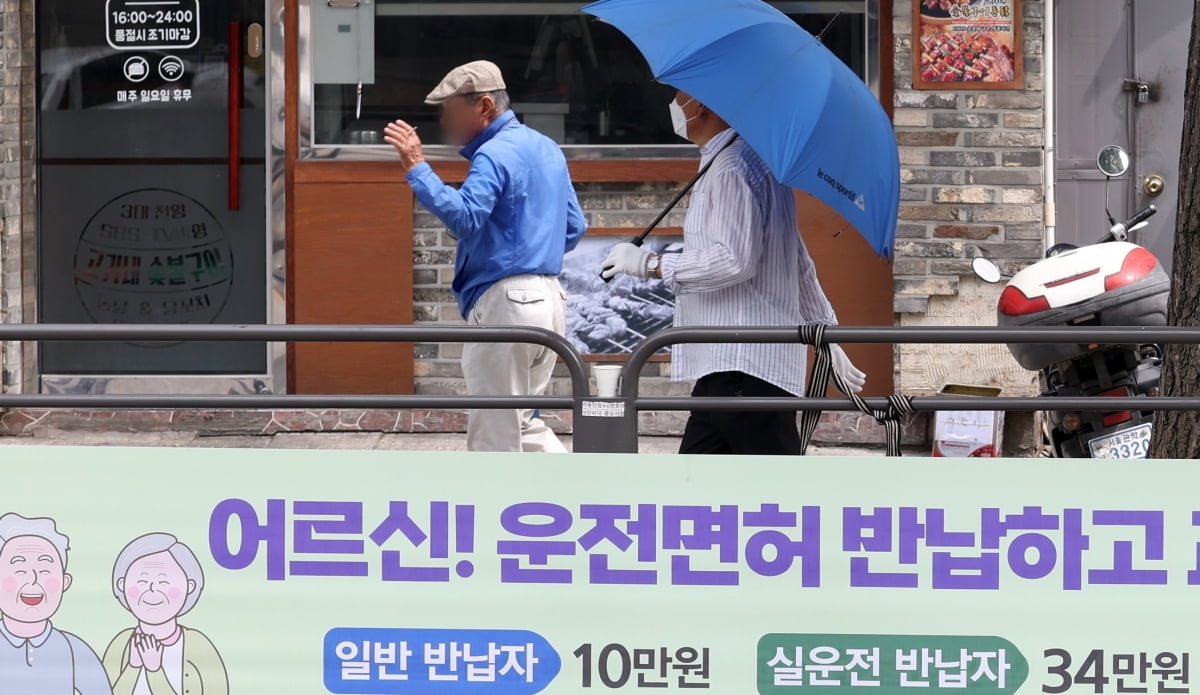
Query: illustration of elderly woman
[158,579]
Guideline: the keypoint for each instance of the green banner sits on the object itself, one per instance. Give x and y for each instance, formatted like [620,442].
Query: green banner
[156,571]
[889,662]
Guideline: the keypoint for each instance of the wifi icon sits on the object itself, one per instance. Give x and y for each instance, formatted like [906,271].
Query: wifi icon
[170,68]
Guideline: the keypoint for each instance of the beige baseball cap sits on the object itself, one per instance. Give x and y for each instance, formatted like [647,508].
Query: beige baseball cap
[476,76]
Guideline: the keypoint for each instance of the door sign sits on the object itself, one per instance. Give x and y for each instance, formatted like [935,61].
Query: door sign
[136,69]
[170,68]
[154,25]
[153,256]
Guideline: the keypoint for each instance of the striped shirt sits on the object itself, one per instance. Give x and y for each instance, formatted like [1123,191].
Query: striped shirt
[743,264]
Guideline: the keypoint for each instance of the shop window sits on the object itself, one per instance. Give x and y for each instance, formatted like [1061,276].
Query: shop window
[577,79]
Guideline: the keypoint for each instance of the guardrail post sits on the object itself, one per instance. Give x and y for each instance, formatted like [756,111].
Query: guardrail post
[605,426]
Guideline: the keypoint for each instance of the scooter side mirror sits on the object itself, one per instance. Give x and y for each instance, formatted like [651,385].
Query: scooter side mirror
[986,270]
[1112,161]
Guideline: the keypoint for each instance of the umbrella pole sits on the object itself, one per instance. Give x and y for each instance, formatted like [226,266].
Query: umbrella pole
[637,241]
[821,37]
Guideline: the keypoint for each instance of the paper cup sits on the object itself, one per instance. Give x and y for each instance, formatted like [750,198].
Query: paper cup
[608,377]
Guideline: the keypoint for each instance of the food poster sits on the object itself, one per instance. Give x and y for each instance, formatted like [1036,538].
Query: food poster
[967,44]
[613,318]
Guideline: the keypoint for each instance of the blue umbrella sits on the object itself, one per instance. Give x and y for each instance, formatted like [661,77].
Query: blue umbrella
[811,119]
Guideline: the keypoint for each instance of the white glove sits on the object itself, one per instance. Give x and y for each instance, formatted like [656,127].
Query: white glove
[625,258]
[854,377]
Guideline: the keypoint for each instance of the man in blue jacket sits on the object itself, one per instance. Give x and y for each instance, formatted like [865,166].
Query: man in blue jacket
[515,217]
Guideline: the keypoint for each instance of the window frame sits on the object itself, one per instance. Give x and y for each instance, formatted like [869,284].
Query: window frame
[866,10]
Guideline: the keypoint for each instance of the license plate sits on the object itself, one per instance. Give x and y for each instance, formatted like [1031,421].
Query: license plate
[1128,444]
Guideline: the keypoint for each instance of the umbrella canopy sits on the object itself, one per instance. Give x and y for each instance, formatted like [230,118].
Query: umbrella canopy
[811,119]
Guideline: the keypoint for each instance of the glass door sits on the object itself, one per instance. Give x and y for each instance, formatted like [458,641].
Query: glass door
[152,179]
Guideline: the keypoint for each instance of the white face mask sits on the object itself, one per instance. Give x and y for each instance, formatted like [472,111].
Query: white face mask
[679,120]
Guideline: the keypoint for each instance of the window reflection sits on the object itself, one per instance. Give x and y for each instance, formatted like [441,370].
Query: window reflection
[578,80]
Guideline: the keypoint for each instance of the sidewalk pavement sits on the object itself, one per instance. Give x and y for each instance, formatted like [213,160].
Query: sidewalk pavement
[339,440]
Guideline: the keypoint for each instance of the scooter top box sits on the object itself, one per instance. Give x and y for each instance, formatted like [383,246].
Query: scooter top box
[1110,284]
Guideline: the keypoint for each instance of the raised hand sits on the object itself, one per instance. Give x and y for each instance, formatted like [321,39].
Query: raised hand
[403,137]
[135,652]
[150,651]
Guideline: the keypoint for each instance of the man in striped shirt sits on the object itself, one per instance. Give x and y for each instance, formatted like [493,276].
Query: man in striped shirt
[743,264]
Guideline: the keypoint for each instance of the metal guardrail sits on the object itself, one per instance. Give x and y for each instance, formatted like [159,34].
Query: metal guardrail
[621,435]
[601,425]
[981,335]
[297,333]
[281,402]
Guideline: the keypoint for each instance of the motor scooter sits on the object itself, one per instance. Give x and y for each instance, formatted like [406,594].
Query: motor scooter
[1110,283]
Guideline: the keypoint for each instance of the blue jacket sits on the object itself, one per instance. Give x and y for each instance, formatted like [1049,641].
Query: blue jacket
[515,214]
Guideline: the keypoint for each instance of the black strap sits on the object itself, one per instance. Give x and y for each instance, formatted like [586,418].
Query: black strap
[898,406]
[637,241]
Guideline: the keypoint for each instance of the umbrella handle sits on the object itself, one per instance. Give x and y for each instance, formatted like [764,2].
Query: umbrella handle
[636,241]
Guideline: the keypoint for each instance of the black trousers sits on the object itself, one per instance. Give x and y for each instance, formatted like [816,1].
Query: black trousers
[739,432]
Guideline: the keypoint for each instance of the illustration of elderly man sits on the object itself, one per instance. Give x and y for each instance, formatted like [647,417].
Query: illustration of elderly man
[37,658]
[158,579]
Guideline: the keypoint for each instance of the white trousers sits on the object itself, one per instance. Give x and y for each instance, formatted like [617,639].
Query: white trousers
[513,369]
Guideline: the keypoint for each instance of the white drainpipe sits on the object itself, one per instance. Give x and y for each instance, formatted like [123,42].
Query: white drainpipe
[1048,108]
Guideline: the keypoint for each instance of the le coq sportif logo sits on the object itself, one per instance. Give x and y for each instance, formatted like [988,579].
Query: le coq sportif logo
[857,198]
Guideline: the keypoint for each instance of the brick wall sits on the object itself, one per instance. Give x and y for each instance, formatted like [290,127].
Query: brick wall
[17,250]
[972,182]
